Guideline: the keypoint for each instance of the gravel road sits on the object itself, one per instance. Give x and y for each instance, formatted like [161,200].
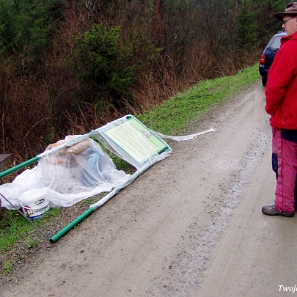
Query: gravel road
[189,226]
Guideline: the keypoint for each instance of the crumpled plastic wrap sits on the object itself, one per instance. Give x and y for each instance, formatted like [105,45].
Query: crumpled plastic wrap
[76,167]
[66,176]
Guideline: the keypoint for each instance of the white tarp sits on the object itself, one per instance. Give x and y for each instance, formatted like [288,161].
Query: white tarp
[66,176]
[77,168]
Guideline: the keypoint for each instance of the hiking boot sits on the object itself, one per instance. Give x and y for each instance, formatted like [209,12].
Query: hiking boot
[272,211]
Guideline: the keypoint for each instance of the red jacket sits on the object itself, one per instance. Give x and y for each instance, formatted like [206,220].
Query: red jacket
[281,88]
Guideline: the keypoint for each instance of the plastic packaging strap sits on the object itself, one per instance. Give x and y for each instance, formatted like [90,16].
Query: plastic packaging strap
[185,137]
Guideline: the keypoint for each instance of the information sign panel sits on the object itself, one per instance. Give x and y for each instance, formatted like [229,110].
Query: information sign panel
[134,139]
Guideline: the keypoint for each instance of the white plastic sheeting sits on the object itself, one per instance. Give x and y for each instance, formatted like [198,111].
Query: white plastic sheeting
[66,176]
[77,168]
[183,137]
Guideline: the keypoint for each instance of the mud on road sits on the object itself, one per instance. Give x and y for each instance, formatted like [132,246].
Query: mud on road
[189,226]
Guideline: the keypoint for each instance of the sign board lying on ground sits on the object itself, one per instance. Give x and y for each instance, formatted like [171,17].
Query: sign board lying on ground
[133,140]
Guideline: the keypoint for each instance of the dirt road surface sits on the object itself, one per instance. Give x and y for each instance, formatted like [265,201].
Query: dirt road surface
[190,226]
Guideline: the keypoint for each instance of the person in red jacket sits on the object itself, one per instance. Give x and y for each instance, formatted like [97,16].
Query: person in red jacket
[281,104]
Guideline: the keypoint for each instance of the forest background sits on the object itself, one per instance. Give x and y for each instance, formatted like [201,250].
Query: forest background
[68,67]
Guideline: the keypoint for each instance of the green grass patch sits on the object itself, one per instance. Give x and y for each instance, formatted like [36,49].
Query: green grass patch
[7,267]
[176,113]
[12,227]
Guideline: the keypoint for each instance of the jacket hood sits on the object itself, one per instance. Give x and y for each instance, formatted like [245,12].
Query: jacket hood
[286,38]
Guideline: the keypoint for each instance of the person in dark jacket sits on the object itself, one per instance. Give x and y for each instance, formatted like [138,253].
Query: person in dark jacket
[281,104]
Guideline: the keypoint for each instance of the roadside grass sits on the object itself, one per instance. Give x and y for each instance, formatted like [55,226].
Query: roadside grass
[170,118]
[14,227]
[175,114]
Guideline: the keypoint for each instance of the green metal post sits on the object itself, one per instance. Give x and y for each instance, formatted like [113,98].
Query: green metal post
[19,166]
[72,224]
